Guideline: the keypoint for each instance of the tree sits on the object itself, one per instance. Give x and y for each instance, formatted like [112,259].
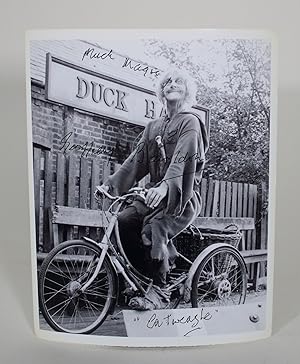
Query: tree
[233,78]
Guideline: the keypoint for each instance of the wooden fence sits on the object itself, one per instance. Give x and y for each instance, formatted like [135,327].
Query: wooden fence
[71,180]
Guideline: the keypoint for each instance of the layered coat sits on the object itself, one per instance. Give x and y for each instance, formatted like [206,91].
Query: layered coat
[185,143]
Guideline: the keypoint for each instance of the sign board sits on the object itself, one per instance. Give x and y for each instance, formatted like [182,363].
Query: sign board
[102,94]
[195,321]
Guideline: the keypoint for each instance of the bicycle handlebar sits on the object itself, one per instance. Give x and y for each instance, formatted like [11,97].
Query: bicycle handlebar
[105,193]
[135,190]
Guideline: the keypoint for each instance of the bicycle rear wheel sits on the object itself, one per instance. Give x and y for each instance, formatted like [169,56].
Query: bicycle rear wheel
[220,279]
[63,273]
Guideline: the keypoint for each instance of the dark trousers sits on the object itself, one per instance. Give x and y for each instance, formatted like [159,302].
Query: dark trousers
[130,226]
[159,228]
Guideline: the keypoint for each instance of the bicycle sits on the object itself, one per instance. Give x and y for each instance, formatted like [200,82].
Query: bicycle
[79,279]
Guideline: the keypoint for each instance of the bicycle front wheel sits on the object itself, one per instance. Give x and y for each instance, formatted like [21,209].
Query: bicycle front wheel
[64,271]
[220,279]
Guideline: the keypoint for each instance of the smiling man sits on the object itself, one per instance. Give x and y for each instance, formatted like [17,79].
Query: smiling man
[173,200]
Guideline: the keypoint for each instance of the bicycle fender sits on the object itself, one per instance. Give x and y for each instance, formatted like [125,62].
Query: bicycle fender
[197,261]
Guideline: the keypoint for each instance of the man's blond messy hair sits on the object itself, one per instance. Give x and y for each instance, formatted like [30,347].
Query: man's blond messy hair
[191,87]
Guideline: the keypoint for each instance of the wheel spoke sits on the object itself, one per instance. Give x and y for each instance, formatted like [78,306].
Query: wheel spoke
[64,303]
[61,316]
[98,281]
[91,305]
[73,313]
[51,289]
[87,302]
[95,288]
[64,307]
[56,293]
[237,286]
[82,264]
[97,294]
[220,279]
[72,263]
[62,273]
[66,265]
[75,310]
[207,292]
[79,314]
[52,281]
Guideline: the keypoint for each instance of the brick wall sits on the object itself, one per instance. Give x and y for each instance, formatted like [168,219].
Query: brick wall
[56,125]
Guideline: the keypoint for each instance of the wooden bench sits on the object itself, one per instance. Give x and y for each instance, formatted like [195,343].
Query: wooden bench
[73,216]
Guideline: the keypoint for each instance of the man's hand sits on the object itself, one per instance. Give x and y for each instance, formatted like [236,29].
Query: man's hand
[97,193]
[156,194]
[104,187]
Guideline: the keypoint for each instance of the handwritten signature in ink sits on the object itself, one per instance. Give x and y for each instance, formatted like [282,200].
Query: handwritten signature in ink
[91,53]
[191,322]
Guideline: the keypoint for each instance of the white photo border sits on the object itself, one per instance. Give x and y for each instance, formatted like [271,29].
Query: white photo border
[179,34]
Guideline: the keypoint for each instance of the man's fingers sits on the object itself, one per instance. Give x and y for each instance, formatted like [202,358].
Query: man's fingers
[156,201]
[154,197]
[105,187]
[147,197]
[150,197]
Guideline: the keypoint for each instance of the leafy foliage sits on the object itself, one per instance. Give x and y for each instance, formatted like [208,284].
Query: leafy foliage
[233,78]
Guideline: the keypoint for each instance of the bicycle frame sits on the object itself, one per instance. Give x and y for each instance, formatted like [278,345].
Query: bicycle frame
[130,274]
[108,257]
[105,244]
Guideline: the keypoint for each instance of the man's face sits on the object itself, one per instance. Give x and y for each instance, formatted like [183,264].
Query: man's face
[175,88]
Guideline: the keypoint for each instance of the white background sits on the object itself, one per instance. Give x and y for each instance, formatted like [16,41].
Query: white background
[17,342]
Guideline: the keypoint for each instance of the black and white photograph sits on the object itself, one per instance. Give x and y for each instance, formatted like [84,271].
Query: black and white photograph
[152,182]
